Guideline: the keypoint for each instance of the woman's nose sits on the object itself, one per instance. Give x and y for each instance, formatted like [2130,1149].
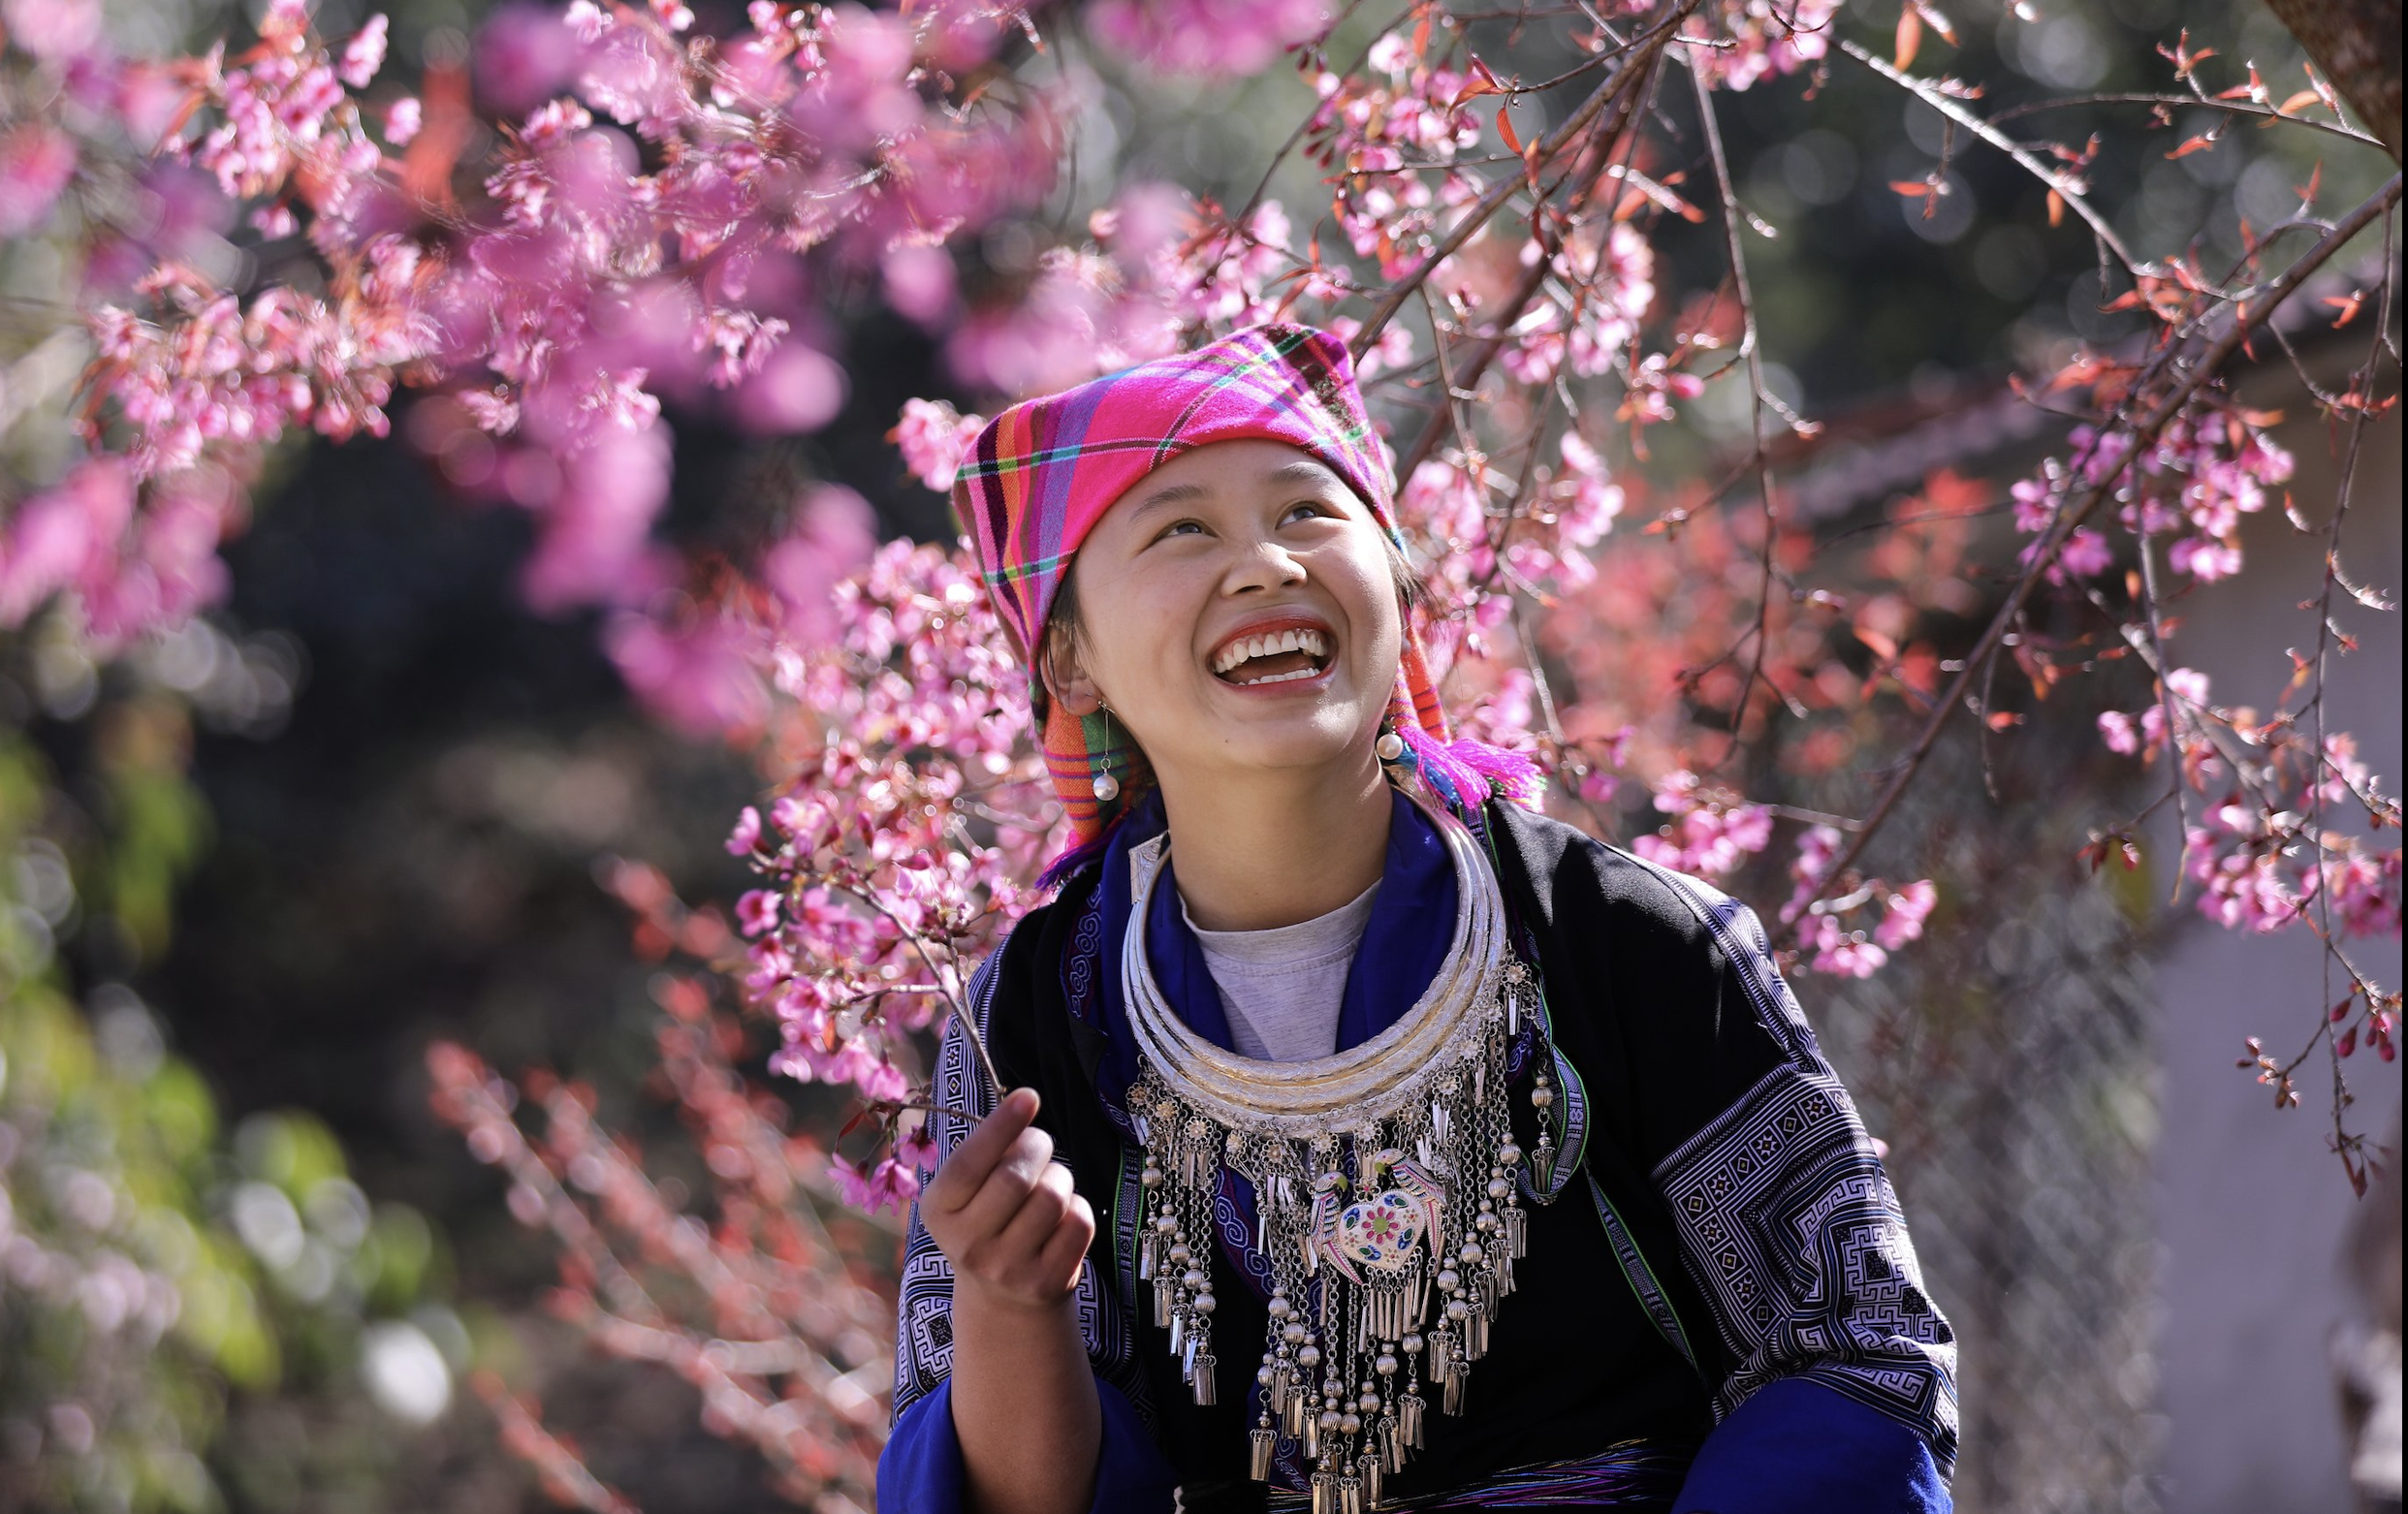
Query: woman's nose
[1265,564]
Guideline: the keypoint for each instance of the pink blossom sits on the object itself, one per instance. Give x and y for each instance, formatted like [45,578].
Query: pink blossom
[56,30]
[916,1149]
[69,534]
[2086,554]
[1208,37]
[36,163]
[933,437]
[402,119]
[833,533]
[747,833]
[1842,951]
[1908,908]
[2205,559]
[796,388]
[1711,835]
[700,676]
[365,53]
[756,912]
[890,1185]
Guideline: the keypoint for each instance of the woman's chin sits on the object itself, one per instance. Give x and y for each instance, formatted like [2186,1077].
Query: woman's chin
[1300,746]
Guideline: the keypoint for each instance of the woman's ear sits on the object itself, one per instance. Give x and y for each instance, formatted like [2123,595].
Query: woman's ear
[1066,679]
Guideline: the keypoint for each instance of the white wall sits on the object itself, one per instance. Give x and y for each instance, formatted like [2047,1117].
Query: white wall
[2251,1205]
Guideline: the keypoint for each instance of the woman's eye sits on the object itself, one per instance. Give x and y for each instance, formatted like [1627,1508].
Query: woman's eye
[1181,528]
[1304,510]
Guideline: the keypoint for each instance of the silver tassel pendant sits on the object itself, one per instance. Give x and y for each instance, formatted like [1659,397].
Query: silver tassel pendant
[1374,1477]
[1517,1231]
[1202,1380]
[1542,1161]
[1162,1305]
[1145,1256]
[1409,1410]
[1264,1441]
[1451,1401]
[1350,1495]
[1325,1492]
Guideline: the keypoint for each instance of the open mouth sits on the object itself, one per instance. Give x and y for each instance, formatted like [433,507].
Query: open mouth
[1281,656]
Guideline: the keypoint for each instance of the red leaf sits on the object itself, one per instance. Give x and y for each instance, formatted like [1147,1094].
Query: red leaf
[1910,37]
[2194,145]
[2057,209]
[1505,129]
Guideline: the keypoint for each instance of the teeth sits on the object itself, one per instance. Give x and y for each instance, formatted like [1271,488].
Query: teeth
[1313,643]
[1279,678]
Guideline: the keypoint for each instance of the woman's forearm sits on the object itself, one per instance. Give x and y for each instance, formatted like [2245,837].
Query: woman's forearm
[1024,1406]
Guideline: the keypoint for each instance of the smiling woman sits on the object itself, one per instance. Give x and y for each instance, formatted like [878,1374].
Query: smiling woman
[1365,1066]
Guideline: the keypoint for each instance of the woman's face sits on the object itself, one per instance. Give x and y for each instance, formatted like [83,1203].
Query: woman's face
[1236,612]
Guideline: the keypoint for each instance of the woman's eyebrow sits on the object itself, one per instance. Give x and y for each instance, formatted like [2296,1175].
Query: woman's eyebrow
[1301,471]
[1171,494]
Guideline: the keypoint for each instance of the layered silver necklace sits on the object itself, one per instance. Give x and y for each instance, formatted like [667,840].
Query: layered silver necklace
[1386,1190]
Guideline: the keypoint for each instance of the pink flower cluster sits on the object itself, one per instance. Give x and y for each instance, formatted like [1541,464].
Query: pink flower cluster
[1838,947]
[1765,39]
[1710,834]
[1211,38]
[2205,470]
[131,572]
[877,891]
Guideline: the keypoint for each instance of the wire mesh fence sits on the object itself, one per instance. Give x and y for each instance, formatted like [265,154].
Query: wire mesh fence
[2006,1061]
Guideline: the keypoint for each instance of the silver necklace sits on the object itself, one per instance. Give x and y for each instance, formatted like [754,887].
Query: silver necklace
[1386,1186]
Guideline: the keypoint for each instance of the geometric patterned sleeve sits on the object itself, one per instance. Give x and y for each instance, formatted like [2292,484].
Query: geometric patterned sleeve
[920,1469]
[1788,1223]
[924,1301]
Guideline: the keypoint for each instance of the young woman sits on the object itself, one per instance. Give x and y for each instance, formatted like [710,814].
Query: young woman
[1374,1141]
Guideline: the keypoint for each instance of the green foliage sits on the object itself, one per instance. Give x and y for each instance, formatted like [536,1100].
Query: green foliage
[161,1277]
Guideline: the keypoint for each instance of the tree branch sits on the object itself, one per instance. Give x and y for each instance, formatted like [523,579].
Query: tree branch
[2247,317]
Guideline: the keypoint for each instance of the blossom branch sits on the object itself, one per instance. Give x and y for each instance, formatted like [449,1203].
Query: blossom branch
[2209,365]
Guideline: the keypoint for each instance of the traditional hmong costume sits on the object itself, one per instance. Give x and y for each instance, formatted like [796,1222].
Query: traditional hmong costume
[1575,1216]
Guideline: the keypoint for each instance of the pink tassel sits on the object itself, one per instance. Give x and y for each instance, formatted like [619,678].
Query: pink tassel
[1475,769]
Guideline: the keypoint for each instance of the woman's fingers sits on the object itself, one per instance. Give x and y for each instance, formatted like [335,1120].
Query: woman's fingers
[962,1174]
[1059,1262]
[1007,1185]
[1026,1233]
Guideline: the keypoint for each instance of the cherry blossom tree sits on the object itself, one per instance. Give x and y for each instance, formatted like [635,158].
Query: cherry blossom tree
[659,222]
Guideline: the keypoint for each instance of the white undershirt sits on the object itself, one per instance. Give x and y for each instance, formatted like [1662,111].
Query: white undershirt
[1281,988]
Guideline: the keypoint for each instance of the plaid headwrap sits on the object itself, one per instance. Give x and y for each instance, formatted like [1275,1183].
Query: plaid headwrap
[1043,472]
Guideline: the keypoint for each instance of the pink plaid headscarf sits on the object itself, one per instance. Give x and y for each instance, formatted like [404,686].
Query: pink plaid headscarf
[1044,471]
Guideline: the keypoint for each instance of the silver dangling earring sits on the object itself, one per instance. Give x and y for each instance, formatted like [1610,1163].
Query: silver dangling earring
[1107,787]
[1390,746]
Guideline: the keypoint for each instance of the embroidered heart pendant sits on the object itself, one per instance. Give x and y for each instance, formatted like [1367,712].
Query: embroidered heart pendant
[1381,1232]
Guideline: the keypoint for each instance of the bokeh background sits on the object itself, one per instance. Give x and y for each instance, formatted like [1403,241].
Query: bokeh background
[373,802]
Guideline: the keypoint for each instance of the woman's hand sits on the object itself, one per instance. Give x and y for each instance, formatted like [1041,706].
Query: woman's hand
[1006,1214]
[1024,1399]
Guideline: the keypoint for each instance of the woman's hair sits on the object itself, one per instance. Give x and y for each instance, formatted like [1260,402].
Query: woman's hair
[1063,628]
